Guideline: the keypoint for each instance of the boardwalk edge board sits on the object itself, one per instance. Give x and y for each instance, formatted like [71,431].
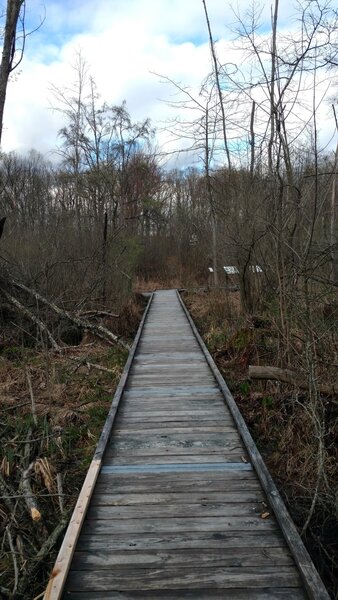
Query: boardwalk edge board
[310,577]
[60,571]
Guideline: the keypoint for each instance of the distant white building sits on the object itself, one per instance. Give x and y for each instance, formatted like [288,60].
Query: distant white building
[255,269]
[231,270]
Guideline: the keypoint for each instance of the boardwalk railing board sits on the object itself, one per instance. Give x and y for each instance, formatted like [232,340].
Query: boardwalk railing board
[61,568]
[312,582]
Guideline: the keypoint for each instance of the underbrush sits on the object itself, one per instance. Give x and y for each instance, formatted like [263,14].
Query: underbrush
[53,406]
[294,429]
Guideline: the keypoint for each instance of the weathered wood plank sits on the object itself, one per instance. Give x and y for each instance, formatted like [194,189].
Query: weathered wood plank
[230,452]
[173,404]
[124,423]
[266,593]
[150,387]
[105,484]
[175,468]
[175,441]
[184,578]
[154,457]
[169,430]
[166,416]
[179,409]
[167,357]
[175,391]
[152,511]
[220,557]
[178,498]
[181,540]
[166,367]
[225,477]
[179,524]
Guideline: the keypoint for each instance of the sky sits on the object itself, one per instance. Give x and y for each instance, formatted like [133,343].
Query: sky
[128,45]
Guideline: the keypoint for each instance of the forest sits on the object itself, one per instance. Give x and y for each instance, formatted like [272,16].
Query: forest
[247,229]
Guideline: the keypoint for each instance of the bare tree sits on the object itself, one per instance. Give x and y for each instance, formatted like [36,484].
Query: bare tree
[10,57]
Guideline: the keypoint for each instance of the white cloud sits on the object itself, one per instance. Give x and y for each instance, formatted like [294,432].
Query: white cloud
[123,42]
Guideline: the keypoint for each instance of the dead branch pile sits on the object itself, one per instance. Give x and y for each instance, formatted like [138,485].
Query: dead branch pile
[52,412]
[10,289]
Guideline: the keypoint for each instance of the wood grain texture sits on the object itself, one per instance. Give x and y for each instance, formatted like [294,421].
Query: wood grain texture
[266,593]
[177,498]
[199,540]
[220,557]
[184,578]
[177,524]
[177,510]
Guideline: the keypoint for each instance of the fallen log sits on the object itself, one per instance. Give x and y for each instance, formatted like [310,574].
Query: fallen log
[99,330]
[28,314]
[288,376]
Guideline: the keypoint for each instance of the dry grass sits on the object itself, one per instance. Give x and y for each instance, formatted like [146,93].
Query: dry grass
[72,393]
[282,420]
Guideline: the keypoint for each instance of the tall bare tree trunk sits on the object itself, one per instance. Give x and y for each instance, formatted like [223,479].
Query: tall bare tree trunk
[333,226]
[218,86]
[8,51]
[104,258]
[211,199]
[272,84]
[334,214]
[252,139]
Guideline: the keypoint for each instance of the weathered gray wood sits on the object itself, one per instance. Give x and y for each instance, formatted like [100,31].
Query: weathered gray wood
[177,524]
[192,407]
[230,453]
[176,441]
[165,416]
[106,483]
[185,578]
[174,391]
[154,457]
[181,540]
[266,593]
[178,478]
[152,511]
[172,404]
[177,498]
[220,557]
[175,468]
[125,425]
[176,511]
[232,448]
[173,430]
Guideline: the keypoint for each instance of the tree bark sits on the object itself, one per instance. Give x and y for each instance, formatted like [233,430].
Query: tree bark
[8,51]
[287,376]
[333,223]
[218,86]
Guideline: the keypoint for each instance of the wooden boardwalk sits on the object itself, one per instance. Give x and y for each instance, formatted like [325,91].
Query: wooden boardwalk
[175,491]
